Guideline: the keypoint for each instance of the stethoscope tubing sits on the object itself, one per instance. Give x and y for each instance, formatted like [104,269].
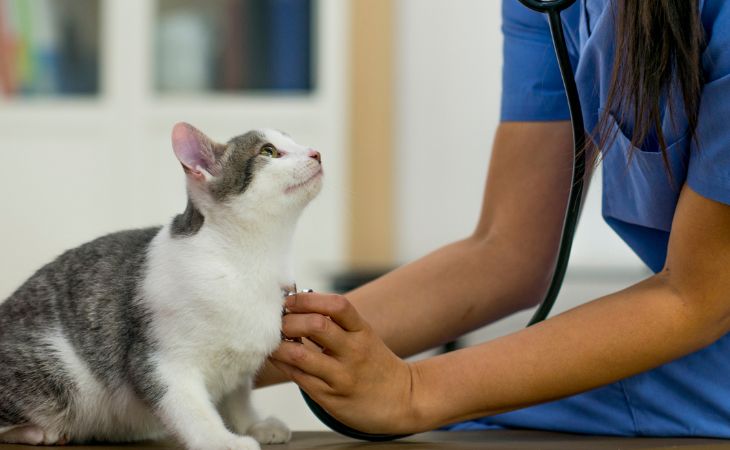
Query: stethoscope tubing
[552,8]
[572,212]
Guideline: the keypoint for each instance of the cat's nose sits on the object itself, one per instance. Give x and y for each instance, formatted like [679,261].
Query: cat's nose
[314,154]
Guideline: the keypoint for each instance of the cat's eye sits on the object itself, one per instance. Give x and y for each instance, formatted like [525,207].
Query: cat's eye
[270,151]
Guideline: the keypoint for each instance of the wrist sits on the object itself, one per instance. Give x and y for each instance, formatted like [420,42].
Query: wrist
[418,417]
[442,392]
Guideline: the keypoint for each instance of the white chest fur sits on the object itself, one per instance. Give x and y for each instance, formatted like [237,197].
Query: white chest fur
[216,308]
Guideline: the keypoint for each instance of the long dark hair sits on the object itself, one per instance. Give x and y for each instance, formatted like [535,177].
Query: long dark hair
[658,50]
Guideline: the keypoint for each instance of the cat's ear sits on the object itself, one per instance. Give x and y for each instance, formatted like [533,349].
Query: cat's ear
[197,153]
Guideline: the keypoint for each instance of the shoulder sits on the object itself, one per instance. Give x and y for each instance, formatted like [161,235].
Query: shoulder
[109,253]
[514,14]
[519,21]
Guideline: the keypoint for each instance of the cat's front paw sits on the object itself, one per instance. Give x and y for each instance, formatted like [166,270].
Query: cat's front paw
[232,442]
[270,431]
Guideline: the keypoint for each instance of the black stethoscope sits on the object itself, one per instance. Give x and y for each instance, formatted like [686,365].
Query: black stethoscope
[552,8]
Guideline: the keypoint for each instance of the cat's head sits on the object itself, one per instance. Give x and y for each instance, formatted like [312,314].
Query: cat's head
[262,172]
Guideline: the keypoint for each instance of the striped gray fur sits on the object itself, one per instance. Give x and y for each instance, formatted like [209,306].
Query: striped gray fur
[90,295]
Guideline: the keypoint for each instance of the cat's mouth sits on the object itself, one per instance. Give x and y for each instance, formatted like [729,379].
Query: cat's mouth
[294,187]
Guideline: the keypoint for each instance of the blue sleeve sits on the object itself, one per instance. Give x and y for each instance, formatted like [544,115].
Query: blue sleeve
[708,172]
[532,89]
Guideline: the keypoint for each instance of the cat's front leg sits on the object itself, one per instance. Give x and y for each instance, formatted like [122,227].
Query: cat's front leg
[187,412]
[240,417]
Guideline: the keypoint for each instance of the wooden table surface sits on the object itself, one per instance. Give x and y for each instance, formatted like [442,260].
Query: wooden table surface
[495,439]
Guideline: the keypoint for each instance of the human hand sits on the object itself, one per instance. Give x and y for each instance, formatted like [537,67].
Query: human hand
[354,376]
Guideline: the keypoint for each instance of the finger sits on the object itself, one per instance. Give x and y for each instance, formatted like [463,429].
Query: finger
[315,327]
[309,383]
[335,306]
[309,361]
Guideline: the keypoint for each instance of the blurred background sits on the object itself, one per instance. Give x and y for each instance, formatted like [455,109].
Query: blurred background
[400,96]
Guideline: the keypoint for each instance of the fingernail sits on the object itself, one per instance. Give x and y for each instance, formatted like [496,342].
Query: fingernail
[290,301]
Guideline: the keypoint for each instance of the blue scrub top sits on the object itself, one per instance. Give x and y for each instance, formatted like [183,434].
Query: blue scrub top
[689,396]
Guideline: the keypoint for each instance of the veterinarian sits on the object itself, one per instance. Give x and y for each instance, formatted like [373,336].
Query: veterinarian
[652,359]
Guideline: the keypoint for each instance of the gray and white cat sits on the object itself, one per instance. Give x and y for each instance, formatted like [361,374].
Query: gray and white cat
[159,331]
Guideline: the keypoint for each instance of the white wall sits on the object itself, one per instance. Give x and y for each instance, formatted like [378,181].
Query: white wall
[448,83]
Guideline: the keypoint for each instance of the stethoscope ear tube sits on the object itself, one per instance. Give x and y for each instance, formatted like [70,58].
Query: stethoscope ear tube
[552,8]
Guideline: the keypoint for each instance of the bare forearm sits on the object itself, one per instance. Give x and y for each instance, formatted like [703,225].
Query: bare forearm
[598,343]
[451,291]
